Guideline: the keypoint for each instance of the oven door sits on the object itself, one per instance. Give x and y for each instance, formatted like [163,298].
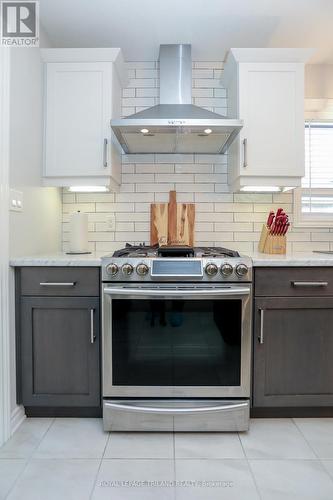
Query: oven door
[176,340]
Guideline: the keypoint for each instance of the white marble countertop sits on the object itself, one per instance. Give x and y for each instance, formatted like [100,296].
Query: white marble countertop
[57,259]
[93,259]
[294,259]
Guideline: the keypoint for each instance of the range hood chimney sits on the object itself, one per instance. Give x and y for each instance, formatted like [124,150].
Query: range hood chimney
[176,125]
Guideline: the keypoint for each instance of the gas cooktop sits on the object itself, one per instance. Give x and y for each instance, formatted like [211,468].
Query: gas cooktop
[176,263]
[173,251]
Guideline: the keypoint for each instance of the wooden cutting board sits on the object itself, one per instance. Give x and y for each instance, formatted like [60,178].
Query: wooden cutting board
[172,223]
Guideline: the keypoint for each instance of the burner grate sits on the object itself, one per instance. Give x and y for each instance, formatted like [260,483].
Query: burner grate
[155,251]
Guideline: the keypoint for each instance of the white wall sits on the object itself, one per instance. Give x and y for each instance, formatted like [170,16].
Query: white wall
[38,228]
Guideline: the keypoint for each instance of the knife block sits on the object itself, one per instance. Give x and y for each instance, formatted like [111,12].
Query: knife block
[270,243]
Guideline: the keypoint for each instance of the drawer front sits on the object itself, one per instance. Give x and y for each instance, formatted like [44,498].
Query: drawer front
[60,281]
[293,281]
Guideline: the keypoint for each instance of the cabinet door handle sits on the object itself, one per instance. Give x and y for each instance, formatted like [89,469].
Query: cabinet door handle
[58,283]
[105,153]
[244,153]
[262,318]
[309,283]
[92,336]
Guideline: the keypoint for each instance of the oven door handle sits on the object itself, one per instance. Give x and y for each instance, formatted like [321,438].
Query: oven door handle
[174,411]
[178,292]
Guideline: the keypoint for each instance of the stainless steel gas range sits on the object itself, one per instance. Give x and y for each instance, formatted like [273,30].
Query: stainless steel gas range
[176,339]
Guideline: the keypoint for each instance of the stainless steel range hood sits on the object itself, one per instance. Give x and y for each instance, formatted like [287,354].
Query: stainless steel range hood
[176,125]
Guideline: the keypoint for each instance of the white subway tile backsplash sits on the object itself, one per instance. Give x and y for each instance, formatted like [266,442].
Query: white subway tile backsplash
[146,73]
[153,187]
[135,178]
[208,64]
[138,158]
[203,73]
[222,218]
[139,101]
[125,226]
[155,168]
[146,92]
[203,93]
[207,82]
[129,93]
[174,158]
[197,188]
[194,168]
[141,82]
[141,65]
[173,178]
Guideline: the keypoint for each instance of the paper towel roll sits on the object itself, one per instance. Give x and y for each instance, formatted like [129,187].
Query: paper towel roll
[78,236]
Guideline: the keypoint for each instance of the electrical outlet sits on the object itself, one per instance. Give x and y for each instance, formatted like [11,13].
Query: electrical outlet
[111,222]
[15,200]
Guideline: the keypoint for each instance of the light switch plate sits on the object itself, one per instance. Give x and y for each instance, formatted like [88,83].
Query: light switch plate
[15,200]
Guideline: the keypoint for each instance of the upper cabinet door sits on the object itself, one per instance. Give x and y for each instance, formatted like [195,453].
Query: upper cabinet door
[271,105]
[266,91]
[77,121]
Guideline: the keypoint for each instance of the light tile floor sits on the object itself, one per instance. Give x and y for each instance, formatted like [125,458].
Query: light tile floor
[73,459]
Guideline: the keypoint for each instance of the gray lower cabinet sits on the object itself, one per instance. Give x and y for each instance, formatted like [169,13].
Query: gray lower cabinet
[58,341]
[60,351]
[293,347]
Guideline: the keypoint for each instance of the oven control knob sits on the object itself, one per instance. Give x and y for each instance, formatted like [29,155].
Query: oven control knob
[241,270]
[211,269]
[142,269]
[227,270]
[127,269]
[112,269]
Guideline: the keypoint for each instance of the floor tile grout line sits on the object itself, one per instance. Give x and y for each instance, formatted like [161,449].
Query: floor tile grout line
[99,467]
[44,435]
[174,464]
[303,436]
[250,468]
[17,479]
[319,459]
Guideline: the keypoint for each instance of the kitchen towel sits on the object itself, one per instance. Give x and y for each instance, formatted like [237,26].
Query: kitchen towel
[78,236]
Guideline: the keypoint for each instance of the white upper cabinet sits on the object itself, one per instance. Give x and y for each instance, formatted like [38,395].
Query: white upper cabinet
[82,94]
[266,90]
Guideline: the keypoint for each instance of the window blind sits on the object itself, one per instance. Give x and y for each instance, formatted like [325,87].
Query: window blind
[317,193]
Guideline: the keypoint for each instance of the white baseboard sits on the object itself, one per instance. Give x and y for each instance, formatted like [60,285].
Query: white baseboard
[16,419]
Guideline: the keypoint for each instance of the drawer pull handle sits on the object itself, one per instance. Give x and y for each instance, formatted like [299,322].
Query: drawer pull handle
[174,411]
[262,318]
[92,335]
[58,283]
[309,284]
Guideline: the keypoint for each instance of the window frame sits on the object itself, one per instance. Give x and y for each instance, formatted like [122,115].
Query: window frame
[302,219]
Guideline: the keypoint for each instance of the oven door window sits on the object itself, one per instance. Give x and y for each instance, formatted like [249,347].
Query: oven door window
[176,342]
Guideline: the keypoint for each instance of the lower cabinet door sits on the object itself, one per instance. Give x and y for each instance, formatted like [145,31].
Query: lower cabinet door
[60,351]
[293,352]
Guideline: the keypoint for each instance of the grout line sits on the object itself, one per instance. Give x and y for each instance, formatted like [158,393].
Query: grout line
[319,459]
[305,439]
[99,467]
[27,460]
[249,466]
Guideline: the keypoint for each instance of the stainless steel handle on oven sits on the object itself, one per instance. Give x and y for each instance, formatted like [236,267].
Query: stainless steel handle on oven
[165,292]
[244,153]
[262,319]
[92,333]
[174,411]
[309,283]
[57,283]
[105,153]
